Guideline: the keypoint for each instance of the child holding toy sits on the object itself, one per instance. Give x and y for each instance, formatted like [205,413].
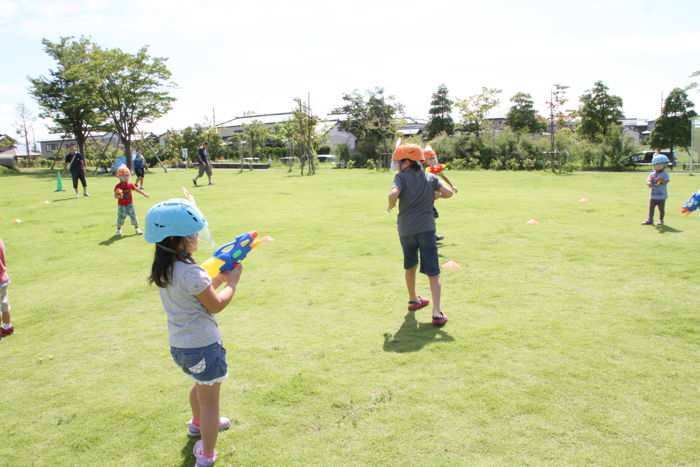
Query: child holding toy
[190,299]
[416,192]
[6,329]
[125,201]
[657,181]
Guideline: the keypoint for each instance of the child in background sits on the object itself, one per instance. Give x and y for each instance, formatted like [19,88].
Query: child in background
[125,201]
[139,169]
[6,329]
[431,163]
[191,300]
[417,191]
[657,181]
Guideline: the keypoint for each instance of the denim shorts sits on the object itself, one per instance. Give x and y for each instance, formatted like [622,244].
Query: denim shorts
[424,244]
[206,365]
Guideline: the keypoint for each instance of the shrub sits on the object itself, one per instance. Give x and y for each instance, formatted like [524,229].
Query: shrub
[512,164]
[350,164]
[370,164]
[496,164]
[529,164]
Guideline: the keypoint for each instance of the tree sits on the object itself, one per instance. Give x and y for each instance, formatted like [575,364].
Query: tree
[303,127]
[68,95]
[475,108]
[673,126]
[372,119]
[131,89]
[599,111]
[557,99]
[254,134]
[440,114]
[522,116]
[24,125]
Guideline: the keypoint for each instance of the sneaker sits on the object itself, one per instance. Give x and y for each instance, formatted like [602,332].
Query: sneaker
[194,180]
[138,231]
[4,332]
[439,238]
[194,432]
[77,195]
[202,460]
[647,223]
[440,321]
[86,194]
[660,223]
[118,233]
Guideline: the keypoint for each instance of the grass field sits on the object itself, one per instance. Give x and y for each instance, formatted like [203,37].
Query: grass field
[571,342]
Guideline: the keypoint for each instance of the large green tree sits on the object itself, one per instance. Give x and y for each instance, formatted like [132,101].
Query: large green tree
[673,126]
[68,95]
[131,89]
[522,116]
[474,109]
[440,114]
[372,119]
[599,111]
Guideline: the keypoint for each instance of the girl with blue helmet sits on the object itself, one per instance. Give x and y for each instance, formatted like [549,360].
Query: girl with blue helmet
[657,181]
[191,300]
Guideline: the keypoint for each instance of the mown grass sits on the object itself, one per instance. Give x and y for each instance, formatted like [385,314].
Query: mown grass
[571,342]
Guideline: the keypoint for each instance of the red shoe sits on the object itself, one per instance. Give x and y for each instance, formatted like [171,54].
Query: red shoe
[6,332]
[421,303]
[441,321]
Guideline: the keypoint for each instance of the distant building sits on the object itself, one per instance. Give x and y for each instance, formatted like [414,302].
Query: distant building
[50,147]
[637,129]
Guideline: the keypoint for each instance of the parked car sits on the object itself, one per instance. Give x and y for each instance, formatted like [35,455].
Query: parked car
[644,158]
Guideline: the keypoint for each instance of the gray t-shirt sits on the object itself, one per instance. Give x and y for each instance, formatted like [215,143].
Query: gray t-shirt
[189,323]
[416,201]
[659,191]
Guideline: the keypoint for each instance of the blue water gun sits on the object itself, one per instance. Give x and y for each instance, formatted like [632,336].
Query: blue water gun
[229,255]
[692,204]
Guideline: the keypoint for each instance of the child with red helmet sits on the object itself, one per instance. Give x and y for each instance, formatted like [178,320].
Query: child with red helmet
[416,191]
[125,201]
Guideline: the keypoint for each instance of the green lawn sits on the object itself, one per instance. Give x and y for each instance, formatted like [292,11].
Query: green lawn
[571,342]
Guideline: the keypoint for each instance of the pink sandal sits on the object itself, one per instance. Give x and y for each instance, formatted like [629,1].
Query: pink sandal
[441,321]
[421,303]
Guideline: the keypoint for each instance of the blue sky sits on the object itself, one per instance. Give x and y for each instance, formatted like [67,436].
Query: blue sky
[258,56]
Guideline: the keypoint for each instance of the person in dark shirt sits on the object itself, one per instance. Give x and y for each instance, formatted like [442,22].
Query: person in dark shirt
[76,162]
[204,163]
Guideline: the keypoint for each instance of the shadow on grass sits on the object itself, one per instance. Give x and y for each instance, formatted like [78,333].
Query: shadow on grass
[662,229]
[116,238]
[65,199]
[188,459]
[412,336]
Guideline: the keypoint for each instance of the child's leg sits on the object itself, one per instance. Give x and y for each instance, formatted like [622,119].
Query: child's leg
[121,215]
[194,404]
[411,284]
[662,210]
[132,215]
[208,397]
[652,204]
[5,308]
[436,290]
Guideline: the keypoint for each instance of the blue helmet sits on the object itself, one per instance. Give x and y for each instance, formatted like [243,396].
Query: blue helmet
[660,159]
[173,218]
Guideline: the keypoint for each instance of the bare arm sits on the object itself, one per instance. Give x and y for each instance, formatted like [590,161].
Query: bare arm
[141,192]
[443,192]
[215,301]
[393,197]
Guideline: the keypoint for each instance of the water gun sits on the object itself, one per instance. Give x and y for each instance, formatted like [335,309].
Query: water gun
[692,204]
[229,255]
[654,180]
[118,193]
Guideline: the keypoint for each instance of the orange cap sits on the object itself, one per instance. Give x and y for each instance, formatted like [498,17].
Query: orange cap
[408,151]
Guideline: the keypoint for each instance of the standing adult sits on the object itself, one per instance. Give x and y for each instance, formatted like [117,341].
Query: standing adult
[204,163]
[139,169]
[76,162]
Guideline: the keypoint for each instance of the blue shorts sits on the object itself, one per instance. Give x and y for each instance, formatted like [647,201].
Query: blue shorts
[425,244]
[206,365]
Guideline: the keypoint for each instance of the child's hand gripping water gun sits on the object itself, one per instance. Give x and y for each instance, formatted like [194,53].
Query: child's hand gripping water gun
[692,204]
[229,255]
[437,170]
